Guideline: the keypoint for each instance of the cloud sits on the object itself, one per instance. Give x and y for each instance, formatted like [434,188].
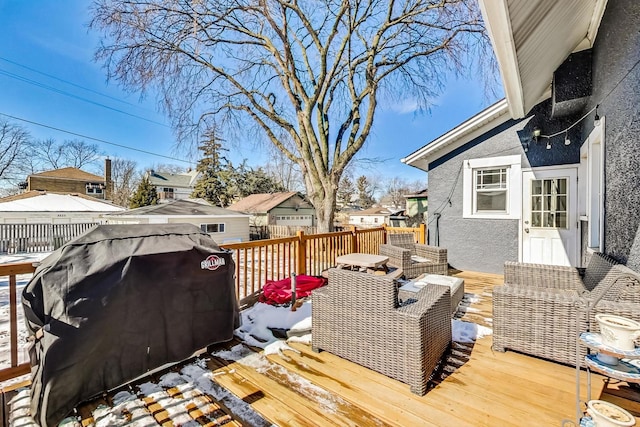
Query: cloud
[405,106]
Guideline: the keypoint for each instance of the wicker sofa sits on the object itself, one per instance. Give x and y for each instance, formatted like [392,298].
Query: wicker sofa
[400,248]
[541,309]
[357,317]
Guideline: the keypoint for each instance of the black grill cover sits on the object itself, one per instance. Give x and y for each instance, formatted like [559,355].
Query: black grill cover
[119,301]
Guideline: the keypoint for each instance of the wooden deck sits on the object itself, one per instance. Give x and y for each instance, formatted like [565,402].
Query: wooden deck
[475,387]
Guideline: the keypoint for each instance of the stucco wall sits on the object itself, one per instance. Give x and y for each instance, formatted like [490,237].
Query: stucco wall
[485,244]
[472,244]
[616,83]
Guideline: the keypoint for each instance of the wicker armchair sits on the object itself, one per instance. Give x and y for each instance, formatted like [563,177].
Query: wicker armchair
[541,309]
[357,317]
[402,246]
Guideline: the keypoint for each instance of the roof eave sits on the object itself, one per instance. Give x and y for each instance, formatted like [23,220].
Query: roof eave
[465,131]
[496,17]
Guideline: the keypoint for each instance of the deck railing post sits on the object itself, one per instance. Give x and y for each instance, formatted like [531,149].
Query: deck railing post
[301,262]
[423,233]
[384,234]
[354,239]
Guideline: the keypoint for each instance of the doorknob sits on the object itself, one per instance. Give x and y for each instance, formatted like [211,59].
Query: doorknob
[526,230]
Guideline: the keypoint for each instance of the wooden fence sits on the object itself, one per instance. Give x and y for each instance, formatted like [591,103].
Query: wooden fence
[21,238]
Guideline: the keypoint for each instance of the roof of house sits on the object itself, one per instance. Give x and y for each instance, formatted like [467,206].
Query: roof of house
[181,207]
[69,173]
[262,203]
[418,194]
[185,180]
[466,131]
[44,201]
[373,211]
[531,39]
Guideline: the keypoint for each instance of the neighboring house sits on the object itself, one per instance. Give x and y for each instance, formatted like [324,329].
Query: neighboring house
[224,225]
[173,186]
[389,203]
[289,208]
[73,180]
[39,221]
[504,184]
[372,217]
[43,207]
[416,204]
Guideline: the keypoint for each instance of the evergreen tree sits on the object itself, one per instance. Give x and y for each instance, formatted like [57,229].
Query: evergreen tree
[144,195]
[365,193]
[212,185]
[346,190]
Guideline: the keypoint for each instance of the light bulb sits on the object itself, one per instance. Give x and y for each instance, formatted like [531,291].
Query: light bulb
[596,119]
[567,141]
[548,145]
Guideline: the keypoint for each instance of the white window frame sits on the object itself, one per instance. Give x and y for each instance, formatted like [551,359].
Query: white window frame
[221,225]
[514,186]
[593,152]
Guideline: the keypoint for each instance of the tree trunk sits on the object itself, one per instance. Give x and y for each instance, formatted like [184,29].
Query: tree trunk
[325,211]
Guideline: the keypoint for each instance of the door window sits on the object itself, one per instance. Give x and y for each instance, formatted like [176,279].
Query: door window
[549,203]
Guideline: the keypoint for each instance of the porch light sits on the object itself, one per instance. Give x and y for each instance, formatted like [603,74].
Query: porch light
[536,133]
[596,119]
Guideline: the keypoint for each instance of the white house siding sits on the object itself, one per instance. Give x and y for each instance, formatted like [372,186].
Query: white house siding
[367,220]
[236,228]
[51,217]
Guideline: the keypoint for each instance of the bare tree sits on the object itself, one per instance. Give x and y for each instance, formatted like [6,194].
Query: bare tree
[395,190]
[313,70]
[15,145]
[168,168]
[125,180]
[50,154]
[78,153]
[284,171]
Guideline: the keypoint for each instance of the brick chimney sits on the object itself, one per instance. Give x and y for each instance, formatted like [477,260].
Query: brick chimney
[108,183]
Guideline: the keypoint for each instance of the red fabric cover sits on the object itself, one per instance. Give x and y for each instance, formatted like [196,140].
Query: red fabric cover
[279,291]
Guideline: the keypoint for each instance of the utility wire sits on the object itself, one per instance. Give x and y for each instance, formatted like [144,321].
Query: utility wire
[95,139]
[67,82]
[62,92]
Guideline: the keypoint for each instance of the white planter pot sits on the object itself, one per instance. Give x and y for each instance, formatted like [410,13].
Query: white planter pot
[605,414]
[618,332]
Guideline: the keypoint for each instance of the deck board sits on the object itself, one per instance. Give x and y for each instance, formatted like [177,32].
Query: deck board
[475,386]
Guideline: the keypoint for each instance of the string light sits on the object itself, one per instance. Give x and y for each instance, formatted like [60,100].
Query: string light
[567,141]
[548,144]
[596,119]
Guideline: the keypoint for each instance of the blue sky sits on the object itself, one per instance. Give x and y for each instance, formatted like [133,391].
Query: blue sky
[52,37]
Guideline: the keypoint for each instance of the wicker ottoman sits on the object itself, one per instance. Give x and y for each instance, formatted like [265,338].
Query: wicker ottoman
[456,285]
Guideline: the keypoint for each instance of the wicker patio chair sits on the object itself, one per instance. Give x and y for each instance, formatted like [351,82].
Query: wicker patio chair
[541,309]
[401,247]
[357,317]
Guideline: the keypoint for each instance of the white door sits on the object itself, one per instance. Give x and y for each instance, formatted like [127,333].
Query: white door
[549,216]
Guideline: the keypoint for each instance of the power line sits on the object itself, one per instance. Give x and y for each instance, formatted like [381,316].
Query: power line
[62,92]
[96,139]
[67,82]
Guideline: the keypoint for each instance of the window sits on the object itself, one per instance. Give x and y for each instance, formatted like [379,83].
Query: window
[94,190]
[212,228]
[492,188]
[167,193]
[549,203]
